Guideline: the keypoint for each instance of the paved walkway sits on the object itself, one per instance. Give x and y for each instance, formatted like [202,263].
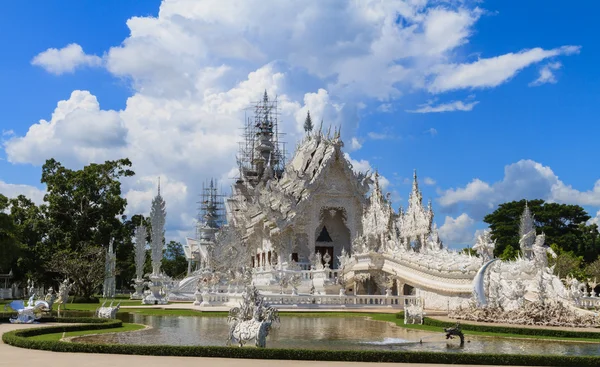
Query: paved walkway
[12,356]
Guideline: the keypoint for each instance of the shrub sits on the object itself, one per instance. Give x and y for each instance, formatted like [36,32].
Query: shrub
[80,299]
[20,338]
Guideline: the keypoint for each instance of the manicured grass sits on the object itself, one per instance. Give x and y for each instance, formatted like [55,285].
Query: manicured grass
[58,336]
[400,322]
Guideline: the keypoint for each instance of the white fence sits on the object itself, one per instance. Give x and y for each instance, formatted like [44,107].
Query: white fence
[309,301]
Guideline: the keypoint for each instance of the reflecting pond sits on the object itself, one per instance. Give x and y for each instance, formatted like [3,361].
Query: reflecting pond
[331,333]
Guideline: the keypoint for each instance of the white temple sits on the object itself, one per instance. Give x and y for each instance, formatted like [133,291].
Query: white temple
[313,231]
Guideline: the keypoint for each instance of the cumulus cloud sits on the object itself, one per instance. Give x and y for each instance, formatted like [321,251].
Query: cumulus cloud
[355,144]
[13,190]
[196,66]
[546,74]
[457,231]
[431,131]
[445,107]
[596,219]
[79,131]
[65,60]
[525,179]
[491,72]
[429,181]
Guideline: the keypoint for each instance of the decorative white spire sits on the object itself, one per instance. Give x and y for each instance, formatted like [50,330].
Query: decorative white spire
[526,232]
[140,250]
[158,215]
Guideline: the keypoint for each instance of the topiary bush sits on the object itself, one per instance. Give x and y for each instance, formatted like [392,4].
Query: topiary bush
[20,338]
[80,299]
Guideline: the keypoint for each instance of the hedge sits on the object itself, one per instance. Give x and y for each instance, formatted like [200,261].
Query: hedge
[19,338]
[514,330]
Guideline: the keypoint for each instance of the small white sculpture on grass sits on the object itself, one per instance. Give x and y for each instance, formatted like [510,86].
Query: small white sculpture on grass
[63,293]
[27,314]
[252,320]
[108,312]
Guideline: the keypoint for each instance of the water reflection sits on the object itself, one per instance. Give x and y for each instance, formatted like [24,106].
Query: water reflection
[331,333]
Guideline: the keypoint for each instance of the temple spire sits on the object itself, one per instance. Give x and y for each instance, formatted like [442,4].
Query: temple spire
[158,185]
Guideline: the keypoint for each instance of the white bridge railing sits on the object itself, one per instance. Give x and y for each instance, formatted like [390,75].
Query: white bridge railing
[589,302]
[308,300]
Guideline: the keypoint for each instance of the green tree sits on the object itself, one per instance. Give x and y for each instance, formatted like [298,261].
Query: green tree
[84,267]
[83,206]
[125,263]
[10,246]
[509,253]
[566,263]
[308,125]
[469,251]
[174,263]
[29,222]
[560,222]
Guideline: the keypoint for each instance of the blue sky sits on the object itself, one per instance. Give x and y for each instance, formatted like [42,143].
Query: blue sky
[167,90]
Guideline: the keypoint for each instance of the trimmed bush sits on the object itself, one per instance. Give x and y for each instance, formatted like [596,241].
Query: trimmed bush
[79,299]
[514,330]
[20,338]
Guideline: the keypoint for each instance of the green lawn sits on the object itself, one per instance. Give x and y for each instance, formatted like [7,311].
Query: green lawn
[58,336]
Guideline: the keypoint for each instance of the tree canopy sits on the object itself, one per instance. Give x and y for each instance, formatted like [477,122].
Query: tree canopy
[563,224]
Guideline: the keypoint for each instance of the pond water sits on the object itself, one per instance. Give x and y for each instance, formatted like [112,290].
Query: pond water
[331,333]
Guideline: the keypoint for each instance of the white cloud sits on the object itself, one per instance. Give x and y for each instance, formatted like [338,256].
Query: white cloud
[385,107]
[445,107]
[429,181]
[491,72]
[596,219]
[78,131]
[546,74]
[13,190]
[525,179]
[65,60]
[197,65]
[363,166]
[377,136]
[355,144]
[431,131]
[457,231]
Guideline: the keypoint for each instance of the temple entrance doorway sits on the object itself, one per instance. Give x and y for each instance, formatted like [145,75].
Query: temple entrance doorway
[332,235]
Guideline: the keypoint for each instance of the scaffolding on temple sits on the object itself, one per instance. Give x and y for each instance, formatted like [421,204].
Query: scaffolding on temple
[211,214]
[261,154]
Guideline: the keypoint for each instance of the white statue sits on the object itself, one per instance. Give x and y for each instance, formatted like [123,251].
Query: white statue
[50,297]
[526,233]
[63,293]
[252,320]
[108,312]
[30,313]
[484,246]
[540,251]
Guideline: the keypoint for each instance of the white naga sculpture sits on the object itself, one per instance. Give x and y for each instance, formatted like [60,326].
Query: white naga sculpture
[253,319]
[157,282]
[63,293]
[525,290]
[140,259]
[27,314]
[108,312]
